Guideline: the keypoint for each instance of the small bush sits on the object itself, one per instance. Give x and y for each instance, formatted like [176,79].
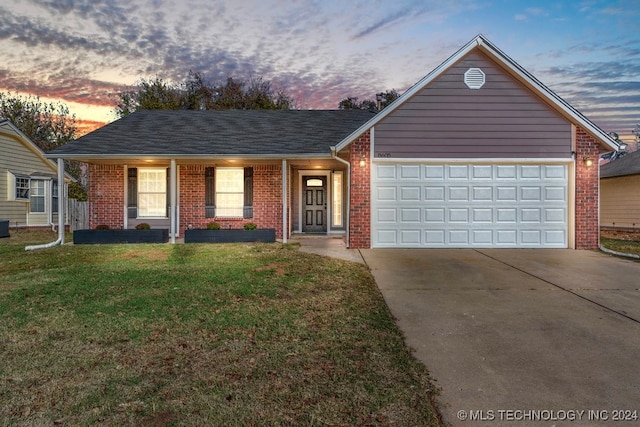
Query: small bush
[213,226]
[143,226]
[102,227]
[250,226]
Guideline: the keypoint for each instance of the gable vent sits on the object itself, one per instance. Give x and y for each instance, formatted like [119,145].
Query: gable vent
[474,78]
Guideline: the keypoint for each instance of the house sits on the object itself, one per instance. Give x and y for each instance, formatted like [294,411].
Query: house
[478,153]
[620,192]
[29,187]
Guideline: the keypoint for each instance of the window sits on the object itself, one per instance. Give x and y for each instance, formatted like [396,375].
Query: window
[36,197]
[337,199]
[22,188]
[54,197]
[152,192]
[229,186]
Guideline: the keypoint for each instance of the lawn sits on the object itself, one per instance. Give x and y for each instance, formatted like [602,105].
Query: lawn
[627,242]
[195,335]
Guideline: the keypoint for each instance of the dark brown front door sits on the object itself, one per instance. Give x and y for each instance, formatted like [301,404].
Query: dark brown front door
[314,204]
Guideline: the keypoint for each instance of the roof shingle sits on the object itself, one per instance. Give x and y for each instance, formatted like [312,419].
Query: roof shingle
[629,164]
[218,133]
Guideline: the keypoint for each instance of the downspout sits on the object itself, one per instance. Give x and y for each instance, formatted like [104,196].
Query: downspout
[348,216]
[61,200]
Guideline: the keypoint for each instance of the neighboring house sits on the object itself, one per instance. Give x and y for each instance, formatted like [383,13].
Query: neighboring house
[477,154]
[29,187]
[620,192]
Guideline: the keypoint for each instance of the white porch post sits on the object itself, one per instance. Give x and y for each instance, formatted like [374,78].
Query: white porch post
[284,201]
[173,231]
[62,196]
[125,221]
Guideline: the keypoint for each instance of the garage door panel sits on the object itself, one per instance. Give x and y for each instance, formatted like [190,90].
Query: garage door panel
[434,194]
[410,214]
[458,172]
[469,205]
[410,193]
[410,172]
[482,237]
[459,194]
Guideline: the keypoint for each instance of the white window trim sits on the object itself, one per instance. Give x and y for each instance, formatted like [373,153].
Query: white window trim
[337,199]
[142,193]
[43,196]
[235,211]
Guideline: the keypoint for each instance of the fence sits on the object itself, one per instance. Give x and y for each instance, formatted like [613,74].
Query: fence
[78,215]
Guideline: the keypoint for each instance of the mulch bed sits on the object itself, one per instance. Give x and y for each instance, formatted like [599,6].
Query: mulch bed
[633,235]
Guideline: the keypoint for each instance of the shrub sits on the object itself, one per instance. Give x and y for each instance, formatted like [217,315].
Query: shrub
[143,226]
[250,226]
[213,226]
[102,227]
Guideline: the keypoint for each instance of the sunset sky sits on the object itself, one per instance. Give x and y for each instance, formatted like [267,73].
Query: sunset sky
[84,52]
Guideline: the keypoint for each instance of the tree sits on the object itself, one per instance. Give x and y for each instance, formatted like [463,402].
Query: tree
[48,125]
[636,132]
[196,93]
[384,98]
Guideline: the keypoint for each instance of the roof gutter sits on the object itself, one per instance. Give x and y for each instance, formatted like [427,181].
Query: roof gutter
[348,216]
[61,198]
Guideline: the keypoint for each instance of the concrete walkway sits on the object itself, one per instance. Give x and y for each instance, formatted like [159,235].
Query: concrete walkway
[330,246]
[520,337]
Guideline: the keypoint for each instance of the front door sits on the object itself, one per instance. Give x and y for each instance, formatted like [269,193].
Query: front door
[314,204]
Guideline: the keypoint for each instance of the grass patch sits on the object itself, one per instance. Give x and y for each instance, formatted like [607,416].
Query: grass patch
[194,335]
[621,241]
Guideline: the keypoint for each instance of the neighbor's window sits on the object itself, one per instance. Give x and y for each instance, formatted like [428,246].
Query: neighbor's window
[229,192]
[36,196]
[152,192]
[22,188]
[337,199]
[54,197]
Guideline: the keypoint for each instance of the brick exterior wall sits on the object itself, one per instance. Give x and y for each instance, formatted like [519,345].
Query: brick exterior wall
[267,199]
[106,196]
[360,203]
[587,191]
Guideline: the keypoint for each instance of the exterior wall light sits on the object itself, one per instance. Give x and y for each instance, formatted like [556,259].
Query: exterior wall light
[363,162]
[588,162]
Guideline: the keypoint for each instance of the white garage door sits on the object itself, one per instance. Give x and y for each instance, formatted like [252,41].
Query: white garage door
[467,205]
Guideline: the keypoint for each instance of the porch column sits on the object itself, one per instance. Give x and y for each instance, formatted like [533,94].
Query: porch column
[62,197]
[284,201]
[173,194]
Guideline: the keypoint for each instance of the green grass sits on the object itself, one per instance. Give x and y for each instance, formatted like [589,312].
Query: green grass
[197,335]
[624,246]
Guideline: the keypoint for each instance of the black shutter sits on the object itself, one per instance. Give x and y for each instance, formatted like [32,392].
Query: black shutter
[132,193]
[247,212]
[209,192]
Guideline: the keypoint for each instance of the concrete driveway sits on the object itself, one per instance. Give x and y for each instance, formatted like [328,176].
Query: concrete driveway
[520,337]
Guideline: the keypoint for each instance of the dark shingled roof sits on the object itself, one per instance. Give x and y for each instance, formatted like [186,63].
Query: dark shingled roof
[629,164]
[218,133]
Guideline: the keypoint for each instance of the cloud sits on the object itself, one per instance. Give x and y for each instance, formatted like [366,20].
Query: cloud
[386,22]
